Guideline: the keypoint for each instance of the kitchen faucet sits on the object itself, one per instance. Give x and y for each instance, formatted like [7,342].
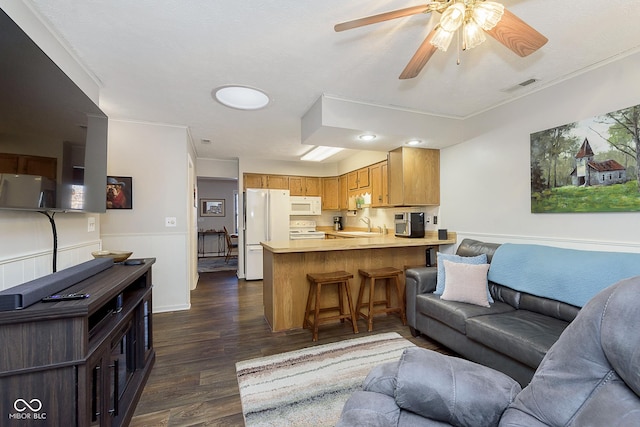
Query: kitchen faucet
[367,221]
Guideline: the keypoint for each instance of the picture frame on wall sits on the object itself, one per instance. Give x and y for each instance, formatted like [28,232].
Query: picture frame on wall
[212,207]
[588,166]
[119,192]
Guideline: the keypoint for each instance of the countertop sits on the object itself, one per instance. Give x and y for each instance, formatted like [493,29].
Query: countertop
[354,243]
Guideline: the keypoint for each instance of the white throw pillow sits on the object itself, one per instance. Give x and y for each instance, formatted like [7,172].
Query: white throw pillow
[466,283]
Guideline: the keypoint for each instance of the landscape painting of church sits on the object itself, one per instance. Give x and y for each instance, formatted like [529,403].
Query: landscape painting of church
[588,166]
[589,172]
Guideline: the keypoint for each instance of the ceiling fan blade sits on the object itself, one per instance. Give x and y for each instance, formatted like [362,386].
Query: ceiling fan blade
[420,58]
[380,18]
[517,35]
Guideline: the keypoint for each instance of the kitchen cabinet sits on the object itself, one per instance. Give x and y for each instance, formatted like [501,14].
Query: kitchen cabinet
[358,179]
[85,361]
[343,192]
[277,182]
[254,180]
[330,193]
[414,177]
[305,186]
[273,182]
[379,185]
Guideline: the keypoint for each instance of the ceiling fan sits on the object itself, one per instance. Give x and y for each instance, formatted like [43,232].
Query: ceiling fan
[472,18]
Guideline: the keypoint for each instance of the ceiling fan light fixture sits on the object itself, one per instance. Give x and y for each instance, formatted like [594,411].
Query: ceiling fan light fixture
[442,39]
[452,17]
[487,14]
[473,35]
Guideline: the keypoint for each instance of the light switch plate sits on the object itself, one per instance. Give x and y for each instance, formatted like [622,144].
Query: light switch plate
[91,224]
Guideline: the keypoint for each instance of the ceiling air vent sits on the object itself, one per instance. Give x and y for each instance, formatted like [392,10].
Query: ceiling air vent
[520,85]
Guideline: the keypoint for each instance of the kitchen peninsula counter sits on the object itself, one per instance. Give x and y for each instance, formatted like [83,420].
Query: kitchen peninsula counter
[287,262]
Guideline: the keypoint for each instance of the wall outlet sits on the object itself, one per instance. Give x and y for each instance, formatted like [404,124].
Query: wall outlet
[435,219]
[170,221]
[91,224]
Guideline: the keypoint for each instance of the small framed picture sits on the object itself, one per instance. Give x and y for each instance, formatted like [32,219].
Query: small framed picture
[119,192]
[211,207]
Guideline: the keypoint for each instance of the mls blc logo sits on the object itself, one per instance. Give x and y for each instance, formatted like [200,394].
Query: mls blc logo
[28,410]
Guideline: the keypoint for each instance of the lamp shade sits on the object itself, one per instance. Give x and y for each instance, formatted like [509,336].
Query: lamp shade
[442,39]
[472,35]
[452,17]
[487,14]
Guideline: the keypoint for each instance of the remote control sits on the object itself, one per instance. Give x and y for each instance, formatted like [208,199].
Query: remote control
[64,297]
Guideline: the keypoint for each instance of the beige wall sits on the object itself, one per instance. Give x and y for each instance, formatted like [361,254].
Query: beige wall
[485,181]
[160,190]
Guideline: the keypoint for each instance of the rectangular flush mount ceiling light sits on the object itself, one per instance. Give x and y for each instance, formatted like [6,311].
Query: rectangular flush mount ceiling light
[320,153]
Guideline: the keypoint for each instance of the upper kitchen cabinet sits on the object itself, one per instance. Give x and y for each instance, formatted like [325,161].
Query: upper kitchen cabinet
[275,182]
[358,179]
[254,180]
[414,177]
[343,192]
[379,185]
[278,182]
[305,186]
[330,193]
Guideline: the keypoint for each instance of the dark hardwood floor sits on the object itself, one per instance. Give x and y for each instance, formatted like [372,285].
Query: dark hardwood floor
[193,382]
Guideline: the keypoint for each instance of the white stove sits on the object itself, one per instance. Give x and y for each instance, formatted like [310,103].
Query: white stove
[304,229]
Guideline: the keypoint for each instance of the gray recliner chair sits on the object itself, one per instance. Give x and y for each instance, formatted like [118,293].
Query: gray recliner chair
[589,377]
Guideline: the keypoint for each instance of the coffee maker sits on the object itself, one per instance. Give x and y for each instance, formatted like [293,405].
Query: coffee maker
[337,223]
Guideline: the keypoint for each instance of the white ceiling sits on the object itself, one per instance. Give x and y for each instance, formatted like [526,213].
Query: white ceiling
[158,60]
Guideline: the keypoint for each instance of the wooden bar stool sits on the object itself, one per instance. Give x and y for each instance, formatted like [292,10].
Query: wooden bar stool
[316,280]
[387,274]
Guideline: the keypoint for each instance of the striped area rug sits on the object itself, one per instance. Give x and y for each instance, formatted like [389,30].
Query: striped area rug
[309,387]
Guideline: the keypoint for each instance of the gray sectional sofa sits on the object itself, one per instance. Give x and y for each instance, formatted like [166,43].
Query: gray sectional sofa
[536,290]
[589,377]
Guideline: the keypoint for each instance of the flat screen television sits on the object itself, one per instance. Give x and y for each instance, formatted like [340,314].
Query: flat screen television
[53,137]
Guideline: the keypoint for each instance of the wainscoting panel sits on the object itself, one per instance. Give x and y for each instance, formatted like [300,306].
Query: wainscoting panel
[17,270]
[170,273]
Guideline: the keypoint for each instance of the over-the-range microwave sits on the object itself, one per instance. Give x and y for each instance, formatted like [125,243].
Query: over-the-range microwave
[305,205]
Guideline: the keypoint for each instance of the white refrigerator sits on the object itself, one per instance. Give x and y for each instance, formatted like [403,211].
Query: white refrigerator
[266,219]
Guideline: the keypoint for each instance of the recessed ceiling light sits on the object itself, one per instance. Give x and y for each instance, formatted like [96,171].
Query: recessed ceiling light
[367,137]
[241,97]
[414,142]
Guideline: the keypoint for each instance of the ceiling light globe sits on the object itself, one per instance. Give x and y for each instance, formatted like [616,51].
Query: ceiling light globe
[473,35]
[487,14]
[241,97]
[452,17]
[442,39]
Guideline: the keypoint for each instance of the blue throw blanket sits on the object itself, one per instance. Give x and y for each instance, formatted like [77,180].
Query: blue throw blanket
[567,275]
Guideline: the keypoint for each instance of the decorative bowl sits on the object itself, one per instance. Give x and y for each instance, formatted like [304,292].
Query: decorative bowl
[118,256]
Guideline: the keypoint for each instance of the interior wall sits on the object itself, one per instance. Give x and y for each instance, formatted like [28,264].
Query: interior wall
[485,181]
[160,192]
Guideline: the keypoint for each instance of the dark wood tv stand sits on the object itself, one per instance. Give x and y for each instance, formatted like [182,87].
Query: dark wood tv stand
[81,362]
